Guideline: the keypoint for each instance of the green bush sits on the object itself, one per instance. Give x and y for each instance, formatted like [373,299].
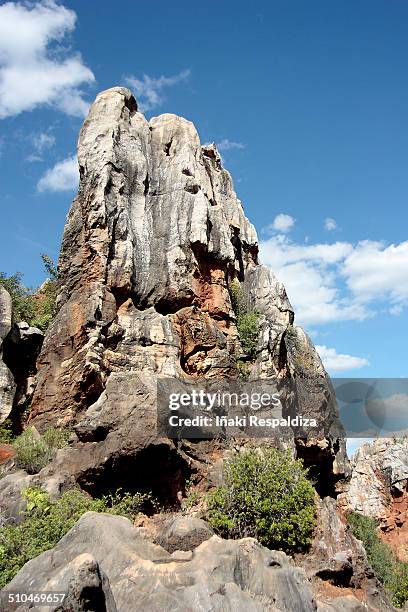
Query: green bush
[267,496]
[33,451]
[389,571]
[37,308]
[398,585]
[247,320]
[46,521]
[379,554]
[23,308]
[6,432]
[45,306]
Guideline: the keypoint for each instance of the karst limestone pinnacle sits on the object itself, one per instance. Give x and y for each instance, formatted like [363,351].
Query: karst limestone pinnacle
[152,244]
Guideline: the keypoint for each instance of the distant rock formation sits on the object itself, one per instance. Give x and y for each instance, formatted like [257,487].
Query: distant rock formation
[20,345]
[7,385]
[21,348]
[379,473]
[378,488]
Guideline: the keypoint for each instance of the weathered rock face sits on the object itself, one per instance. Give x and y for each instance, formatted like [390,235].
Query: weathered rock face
[152,244]
[378,488]
[21,348]
[127,572]
[338,559]
[379,473]
[152,241]
[7,385]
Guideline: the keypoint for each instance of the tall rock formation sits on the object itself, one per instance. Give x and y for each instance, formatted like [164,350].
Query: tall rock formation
[152,244]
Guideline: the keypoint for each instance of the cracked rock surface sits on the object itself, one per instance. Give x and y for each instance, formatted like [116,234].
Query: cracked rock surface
[153,242]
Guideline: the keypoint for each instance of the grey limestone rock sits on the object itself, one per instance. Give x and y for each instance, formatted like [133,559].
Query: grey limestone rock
[7,384]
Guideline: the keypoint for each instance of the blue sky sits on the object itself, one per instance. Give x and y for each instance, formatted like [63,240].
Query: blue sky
[309,102]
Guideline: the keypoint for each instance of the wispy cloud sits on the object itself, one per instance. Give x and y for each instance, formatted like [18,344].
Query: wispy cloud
[64,176]
[149,90]
[33,70]
[338,362]
[330,224]
[227,145]
[41,142]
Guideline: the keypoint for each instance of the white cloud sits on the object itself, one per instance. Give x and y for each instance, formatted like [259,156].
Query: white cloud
[309,273]
[338,362]
[227,145]
[64,176]
[330,224]
[41,142]
[148,90]
[375,271]
[281,223]
[339,281]
[34,70]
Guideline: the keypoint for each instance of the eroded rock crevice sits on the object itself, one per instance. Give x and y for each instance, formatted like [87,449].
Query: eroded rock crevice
[158,470]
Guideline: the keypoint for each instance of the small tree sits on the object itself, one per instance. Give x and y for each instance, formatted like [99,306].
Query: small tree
[247,320]
[49,266]
[38,307]
[23,307]
[267,496]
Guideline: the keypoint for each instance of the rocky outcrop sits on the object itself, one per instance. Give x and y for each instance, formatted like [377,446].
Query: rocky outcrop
[105,564]
[21,349]
[379,474]
[153,242]
[177,532]
[337,559]
[378,488]
[7,385]
[20,345]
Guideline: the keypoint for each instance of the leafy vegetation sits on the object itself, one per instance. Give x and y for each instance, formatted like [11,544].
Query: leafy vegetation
[267,496]
[192,497]
[6,432]
[46,521]
[38,307]
[247,320]
[392,573]
[22,304]
[33,452]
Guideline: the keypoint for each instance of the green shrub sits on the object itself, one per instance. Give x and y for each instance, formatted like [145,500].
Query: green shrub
[23,308]
[243,369]
[46,521]
[267,496]
[247,320]
[33,451]
[398,585]
[45,305]
[38,307]
[6,432]
[389,571]
[379,554]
